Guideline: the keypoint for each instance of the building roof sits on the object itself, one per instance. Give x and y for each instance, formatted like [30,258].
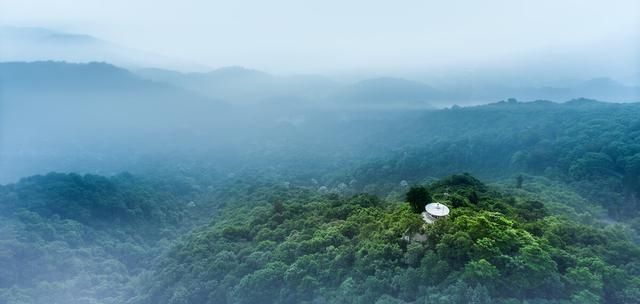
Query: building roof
[437,209]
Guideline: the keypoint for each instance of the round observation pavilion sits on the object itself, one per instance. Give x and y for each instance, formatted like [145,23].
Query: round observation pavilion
[436,210]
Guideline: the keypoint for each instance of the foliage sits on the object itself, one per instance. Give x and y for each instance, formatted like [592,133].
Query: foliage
[67,237]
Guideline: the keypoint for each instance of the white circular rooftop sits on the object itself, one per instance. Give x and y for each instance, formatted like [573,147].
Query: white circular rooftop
[437,209]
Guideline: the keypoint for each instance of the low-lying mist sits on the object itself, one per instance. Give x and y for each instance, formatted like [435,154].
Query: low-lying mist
[98,118]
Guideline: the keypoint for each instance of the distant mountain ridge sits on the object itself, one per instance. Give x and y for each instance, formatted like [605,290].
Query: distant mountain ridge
[238,85]
[242,86]
[40,44]
[247,87]
[59,75]
[51,88]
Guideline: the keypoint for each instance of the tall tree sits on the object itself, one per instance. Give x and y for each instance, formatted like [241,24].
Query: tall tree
[519,181]
[418,197]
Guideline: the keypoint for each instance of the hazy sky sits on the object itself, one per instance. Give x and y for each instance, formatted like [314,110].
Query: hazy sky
[302,36]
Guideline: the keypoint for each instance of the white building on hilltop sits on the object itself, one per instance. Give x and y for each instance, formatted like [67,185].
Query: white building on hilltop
[434,211]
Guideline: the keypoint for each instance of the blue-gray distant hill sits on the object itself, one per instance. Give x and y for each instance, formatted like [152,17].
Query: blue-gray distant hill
[97,93]
[242,86]
[39,44]
[97,113]
[247,87]
[77,106]
[598,88]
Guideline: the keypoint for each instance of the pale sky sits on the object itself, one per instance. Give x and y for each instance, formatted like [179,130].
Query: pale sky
[316,36]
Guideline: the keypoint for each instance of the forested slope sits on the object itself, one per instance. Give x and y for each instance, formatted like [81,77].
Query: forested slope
[297,246]
[593,147]
[68,238]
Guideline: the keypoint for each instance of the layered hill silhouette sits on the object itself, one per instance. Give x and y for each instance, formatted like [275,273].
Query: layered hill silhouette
[52,88]
[244,86]
[38,44]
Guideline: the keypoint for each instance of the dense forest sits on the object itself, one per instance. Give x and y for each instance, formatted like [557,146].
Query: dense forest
[295,246]
[92,239]
[593,147]
[66,236]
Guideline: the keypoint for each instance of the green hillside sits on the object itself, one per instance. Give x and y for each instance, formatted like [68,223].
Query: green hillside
[296,246]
